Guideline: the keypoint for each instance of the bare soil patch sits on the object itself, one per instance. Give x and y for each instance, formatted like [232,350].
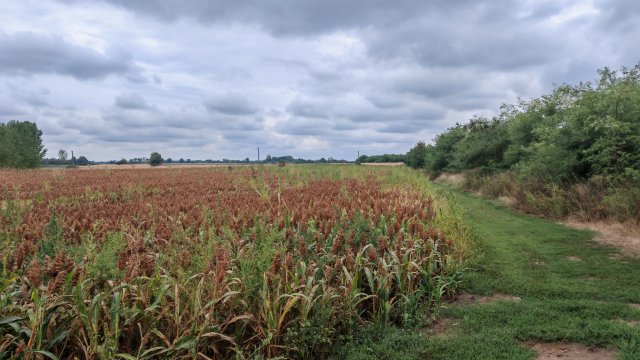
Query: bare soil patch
[441,326]
[473,299]
[635,306]
[573,258]
[626,237]
[548,351]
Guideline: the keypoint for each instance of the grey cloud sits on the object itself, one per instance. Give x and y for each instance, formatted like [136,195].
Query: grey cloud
[431,86]
[304,126]
[469,40]
[233,123]
[36,100]
[8,108]
[231,104]
[619,28]
[278,17]
[326,75]
[412,126]
[245,137]
[409,119]
[131,101]
[310,108]
[385,101]
[320,119]
[27,53]
[129,119]
[34,97]
[619,14]
[184,118]
[278,61]
[157,134]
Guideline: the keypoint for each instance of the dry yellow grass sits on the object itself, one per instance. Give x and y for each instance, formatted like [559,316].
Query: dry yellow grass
[626,237]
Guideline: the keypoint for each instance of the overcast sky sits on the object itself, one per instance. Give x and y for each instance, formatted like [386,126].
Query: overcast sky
[208,79]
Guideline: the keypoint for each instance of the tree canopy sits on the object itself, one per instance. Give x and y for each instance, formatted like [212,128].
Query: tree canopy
[573,133]
[155,159]
[21,145]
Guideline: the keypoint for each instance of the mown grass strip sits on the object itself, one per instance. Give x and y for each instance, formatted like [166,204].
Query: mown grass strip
[571,291]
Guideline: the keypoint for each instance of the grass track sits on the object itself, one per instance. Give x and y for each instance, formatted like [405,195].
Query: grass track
[571,290]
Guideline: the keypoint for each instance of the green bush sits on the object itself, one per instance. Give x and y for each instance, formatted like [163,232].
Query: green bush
[570,135]
[573,151]
[155,159]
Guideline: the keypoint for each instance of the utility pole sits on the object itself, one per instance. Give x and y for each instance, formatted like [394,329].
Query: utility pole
[258,154]
[358,154]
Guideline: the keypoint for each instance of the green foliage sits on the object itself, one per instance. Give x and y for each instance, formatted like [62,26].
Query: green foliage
[103,265]
[155,159]
[416,157]
[386,158]
[572,134]
[384,343]
[256,261]
[53,237]
[562,301]
[21,145]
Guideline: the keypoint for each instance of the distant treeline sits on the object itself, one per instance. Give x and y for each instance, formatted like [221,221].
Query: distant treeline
[291,160]
[20,145]
[386,158]
[80,161]
[587,133]
[268,160]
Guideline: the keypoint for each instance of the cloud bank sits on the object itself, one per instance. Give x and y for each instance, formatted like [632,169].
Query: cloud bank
[216,79]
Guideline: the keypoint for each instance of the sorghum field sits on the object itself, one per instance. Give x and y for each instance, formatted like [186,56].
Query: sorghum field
[206,263]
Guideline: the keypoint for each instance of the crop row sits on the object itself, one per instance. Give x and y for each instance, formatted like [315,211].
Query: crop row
[204,263]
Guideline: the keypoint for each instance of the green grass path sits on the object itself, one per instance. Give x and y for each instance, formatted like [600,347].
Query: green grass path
[571,291]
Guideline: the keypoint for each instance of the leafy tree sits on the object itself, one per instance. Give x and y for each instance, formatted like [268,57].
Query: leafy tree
[441,154]
[7,152]
[483,146]
[21,145]
[155,159]
[417,156]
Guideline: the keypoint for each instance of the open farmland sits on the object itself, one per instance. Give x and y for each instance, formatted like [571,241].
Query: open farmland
[215,262]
